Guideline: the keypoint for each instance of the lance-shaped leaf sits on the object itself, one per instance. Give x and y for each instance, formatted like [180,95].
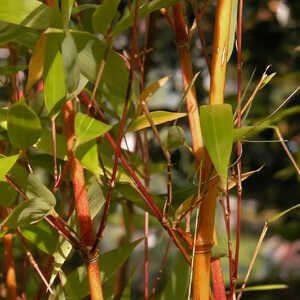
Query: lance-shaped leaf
[158,117]
[8,194]
[217,131]
[234,11]
[87,128]
[23,125]
[104,15]
[54,85]
[28,13]
[36,63]
[6,163]
[71,63]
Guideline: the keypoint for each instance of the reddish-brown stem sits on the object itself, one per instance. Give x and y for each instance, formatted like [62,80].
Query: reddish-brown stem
[239,151]
[24,278]
[148,200]
[217,279]
[9,261]
[32,260]
[81,201]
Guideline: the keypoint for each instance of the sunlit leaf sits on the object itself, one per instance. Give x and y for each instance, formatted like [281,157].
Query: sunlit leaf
[87,154]
[6,163]
[217,131]
[264,287]
[158,117]
[42,236]
[80,8]
[23,125]
[54,77]
[267,79]
[233,21]
[104,15]
[87,128]
[28,13]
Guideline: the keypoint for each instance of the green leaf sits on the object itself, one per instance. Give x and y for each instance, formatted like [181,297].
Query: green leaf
[264,287]
[87,153]
[54,77]
[77,285]
[28,13]
[80,8]
[96,198]
[6,163]
[233,18]
[71,63]
[144,10]
[104,15]
[27,212]
[176,137]
[158,117]
[276,217]
[177,284]
[87,128]
[126,295]
[44,144]
[10,70]
[42,235]
[36,189]
[267,79]
[23,125]
[217,131]
[8,194]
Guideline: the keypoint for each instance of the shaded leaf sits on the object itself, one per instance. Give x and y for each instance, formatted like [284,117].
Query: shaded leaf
[6,163]
[87,128]
[158,117]
[36,63]
[144,10]
[104,15]
[8,194]
[217,130]
[23,125]
[36,189]
[27,212]
[42,235]
[176,287]
[70,62]
[80,8]
[176,137]
[44,144]
[10,70]
[77,285]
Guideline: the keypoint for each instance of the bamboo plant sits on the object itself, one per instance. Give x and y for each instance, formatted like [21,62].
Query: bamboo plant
[80,99]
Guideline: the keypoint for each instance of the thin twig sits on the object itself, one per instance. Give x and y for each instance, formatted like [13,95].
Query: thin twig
[258,246]
[33,261]
[54,152]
